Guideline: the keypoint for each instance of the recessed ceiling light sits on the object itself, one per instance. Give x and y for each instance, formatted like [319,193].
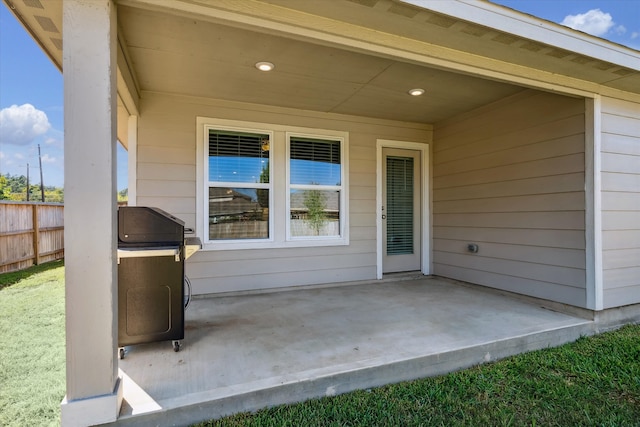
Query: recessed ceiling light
[264,66]
[416,92]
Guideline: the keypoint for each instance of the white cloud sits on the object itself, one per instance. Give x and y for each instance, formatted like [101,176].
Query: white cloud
[594,22]
[1,155]
[48,159]
[20,125]
[19,156]
[634,35]
[620,30]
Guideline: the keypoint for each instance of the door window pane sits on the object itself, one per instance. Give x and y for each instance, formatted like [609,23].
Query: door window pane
[399,205]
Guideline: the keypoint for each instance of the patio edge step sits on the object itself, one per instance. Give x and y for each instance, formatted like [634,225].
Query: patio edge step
[198,407]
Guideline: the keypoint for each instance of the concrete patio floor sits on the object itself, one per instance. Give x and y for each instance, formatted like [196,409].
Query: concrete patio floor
[242,353]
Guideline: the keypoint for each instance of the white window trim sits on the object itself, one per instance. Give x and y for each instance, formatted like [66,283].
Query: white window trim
[279,194]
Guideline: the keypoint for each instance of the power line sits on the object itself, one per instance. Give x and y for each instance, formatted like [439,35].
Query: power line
[28,189]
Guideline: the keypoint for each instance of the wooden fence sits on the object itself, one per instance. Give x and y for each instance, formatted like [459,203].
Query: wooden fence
[30,233]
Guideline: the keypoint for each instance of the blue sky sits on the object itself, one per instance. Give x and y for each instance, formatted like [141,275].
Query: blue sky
[31,109]
[31,96]
[614,20]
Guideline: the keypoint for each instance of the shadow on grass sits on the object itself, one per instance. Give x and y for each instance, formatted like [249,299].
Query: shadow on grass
[11,278]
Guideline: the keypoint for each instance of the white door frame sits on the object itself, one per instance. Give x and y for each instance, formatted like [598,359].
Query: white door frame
[425,262]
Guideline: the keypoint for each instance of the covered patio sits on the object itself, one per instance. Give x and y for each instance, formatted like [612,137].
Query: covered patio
[521,174]
[246,352]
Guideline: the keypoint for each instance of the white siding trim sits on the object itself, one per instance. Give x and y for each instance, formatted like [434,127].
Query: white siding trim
[593,208]
[201,189]
[132,167]
[425,159]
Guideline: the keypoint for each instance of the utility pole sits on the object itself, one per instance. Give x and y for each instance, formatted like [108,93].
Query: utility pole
[41,181]
[27,182]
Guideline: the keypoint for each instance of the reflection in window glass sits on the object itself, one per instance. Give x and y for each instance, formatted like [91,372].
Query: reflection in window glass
[314,161]
[314,213]
[238,156]
[239,185]
[238,213]
[315,187]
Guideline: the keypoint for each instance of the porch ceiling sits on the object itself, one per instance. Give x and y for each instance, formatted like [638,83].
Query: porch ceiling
[198,58]
[208,48]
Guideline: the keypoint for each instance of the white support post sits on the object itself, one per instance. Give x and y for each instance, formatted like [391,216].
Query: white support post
[593,211]
[94,392]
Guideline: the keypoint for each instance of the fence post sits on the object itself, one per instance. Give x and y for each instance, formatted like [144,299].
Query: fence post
[36,235]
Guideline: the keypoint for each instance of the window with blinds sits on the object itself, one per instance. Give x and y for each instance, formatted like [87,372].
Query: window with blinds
[315,177]
[263,186]
[239,185]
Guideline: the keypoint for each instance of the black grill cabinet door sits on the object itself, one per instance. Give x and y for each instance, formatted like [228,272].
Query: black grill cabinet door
[150,300]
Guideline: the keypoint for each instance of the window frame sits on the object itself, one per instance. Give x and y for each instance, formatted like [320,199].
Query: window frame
[237,184]
[341,188]
[279,188]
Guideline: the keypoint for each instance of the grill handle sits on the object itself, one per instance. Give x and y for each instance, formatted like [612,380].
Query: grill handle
[149,252]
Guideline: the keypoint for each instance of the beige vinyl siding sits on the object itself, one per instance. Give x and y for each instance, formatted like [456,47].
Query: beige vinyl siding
[620,150]
[510,178]
[166,178]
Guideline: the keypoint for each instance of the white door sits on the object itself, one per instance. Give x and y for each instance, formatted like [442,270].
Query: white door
[401,210]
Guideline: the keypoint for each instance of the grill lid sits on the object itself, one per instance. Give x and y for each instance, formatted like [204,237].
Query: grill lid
[140,226]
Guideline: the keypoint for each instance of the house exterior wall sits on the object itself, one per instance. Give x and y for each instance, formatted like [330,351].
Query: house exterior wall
[510,178]
[166,178]
[620,169]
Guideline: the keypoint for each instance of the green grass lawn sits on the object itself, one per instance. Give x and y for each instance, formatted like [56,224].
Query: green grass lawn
[32,353]
[592,382]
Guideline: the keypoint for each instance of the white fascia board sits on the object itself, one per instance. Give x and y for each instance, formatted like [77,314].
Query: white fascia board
[530,27]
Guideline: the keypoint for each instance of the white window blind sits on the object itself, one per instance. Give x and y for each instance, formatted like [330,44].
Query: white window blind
[238,156]
[314,161]
[399,205]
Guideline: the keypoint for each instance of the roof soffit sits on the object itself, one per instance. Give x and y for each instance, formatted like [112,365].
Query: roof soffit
[617,67]
[42,19]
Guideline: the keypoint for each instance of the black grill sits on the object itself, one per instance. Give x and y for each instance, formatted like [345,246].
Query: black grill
[151,255]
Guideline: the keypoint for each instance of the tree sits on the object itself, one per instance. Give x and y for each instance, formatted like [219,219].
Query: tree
[123,195]
[5,190]
[54,194]
[316,203]
[14,187]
